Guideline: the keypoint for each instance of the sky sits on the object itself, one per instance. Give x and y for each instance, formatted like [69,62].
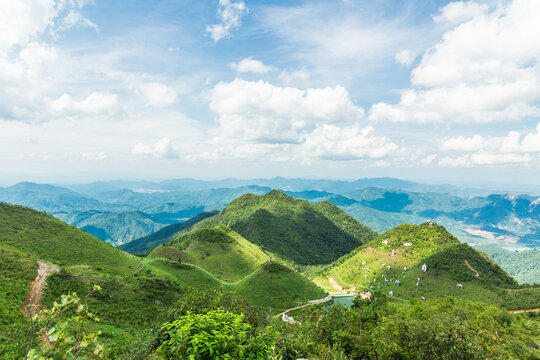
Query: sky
[432,91]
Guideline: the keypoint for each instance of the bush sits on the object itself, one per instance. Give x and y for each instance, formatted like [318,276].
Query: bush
[217,335]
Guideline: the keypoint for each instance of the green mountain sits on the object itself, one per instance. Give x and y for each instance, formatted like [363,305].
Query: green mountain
[218,250]
[295,230]
[136,292]
[126,301]
[378,264]
[116,228]
[145,244]
[524,265]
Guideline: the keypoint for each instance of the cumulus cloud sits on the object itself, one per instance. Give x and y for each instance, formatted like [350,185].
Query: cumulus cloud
[330,142]
[231,14]
[492,150]
[250,65]
[405,57]
[485,69]
[287,77]
[265,113]
[163,148]
[94,103]
[157,94]
[460,11]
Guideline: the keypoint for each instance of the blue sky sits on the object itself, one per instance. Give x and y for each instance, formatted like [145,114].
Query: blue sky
[435,91]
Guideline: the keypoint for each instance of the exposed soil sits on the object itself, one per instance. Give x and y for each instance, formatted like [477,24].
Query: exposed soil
[523,310]
[334,284]
[32,304]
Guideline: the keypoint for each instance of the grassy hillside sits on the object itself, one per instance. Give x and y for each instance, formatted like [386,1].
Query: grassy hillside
[278,287]
[145,244]
[218,249]
[448,262]
[524,266]
[295,230]
[126,302]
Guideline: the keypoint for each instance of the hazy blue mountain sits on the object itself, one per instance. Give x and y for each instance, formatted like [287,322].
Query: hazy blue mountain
[113,227]
[49,198]
[145,244]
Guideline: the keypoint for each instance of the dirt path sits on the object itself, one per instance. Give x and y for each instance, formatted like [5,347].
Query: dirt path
[523,310]
[335,284]
[32,303]
[470,267]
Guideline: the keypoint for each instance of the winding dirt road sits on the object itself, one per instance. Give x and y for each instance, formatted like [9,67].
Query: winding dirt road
[32,303]
[472,269]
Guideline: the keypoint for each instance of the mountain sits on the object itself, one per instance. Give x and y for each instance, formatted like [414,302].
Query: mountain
[449,263]
[218,249]
[524,265]
[116,228]
[136,292]
[295,230]
[145,244]
[125,301]
[48,198]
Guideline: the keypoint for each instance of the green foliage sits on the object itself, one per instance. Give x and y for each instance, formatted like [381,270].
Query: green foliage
[219,250]
[276,286]
[295,230]
[68,337]
[217,335]
[438,329]
[448,261]
[524,266]
[146,244]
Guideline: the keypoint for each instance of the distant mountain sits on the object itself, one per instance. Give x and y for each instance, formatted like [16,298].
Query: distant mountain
[116,228]
[145,244]
[394,260]
[49,198]
[295,230]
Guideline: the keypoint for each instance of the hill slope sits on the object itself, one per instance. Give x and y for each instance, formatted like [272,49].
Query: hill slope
[218,250]
[147,243]
[295,230]
[448,262]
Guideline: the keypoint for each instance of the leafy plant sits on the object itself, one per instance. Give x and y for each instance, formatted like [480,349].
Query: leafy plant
[67,338]
[217,335]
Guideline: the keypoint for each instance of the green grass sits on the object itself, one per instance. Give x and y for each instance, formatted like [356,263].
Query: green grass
[276,286]
[295,230]
[445,258]
[44,237]
[221,251]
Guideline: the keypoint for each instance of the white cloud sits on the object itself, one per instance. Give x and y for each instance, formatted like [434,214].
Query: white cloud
[22,19]
[250,65]
[261,112]
[330,142]
[485,69]
[459,11]
[484,159]
[231,14]
[163,148]
[75,18]
[512,148]
[405,57]
[94,103]
[287,77]
[428,159]
[95,155]
[157,94]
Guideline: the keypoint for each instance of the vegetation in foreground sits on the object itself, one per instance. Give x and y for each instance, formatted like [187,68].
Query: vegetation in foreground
[209,325]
